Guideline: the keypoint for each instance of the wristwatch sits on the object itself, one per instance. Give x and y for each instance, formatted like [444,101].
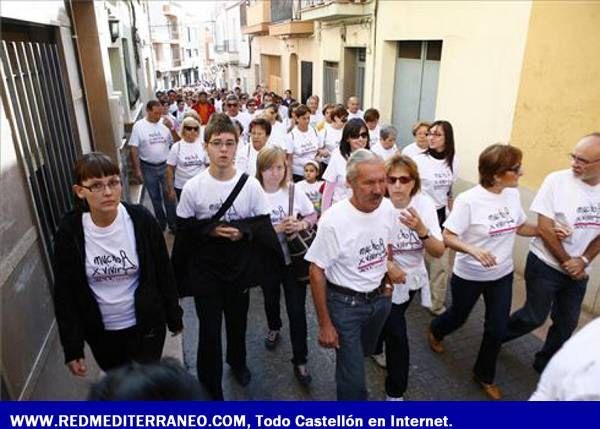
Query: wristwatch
[425,237]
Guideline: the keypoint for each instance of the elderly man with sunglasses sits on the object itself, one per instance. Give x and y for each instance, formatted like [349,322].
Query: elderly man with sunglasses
[232,109]
[557,271]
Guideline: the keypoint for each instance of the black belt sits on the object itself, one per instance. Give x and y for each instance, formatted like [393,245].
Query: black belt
[160,164]
[351,292]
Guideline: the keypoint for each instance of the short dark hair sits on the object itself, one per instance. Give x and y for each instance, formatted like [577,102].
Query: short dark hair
[152,103]
[497,159]
[219,123]
[339,111]
[352,128]
[371,115]
[94,165]
[301,110]
[262,123]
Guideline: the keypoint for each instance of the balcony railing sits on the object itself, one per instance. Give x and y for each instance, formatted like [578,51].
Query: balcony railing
[282,10]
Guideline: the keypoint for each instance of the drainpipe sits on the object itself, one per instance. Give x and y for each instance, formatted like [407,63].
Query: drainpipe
[373,49]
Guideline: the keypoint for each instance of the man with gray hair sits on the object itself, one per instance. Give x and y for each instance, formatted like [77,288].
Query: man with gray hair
[349,272]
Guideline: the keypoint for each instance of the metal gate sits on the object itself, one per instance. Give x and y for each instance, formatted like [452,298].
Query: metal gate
[36,99]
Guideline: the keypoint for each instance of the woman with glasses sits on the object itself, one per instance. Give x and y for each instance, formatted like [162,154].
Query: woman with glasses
[482,228]
[438,171]
[355,135]
[186,159]
[417,232]
[114,287]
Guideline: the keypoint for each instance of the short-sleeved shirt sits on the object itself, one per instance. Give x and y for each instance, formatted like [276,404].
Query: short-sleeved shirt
[153,141]
[437,178]
[189,159]
[304,146]
[336,173]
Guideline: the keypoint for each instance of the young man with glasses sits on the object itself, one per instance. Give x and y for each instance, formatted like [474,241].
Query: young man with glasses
[557,271]
[150,142]
[215,259]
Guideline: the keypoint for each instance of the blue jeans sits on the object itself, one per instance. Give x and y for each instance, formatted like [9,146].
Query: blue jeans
[547,289]
[155,182]
[497,295]
[358,322]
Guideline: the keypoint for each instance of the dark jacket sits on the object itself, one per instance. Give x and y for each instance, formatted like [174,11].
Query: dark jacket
[77,311]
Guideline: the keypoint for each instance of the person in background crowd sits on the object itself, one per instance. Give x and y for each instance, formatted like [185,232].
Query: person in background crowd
[421,144]
[371,118]
[573,372]
[204,108]
[291,117]
[353,106]
[278,135]
[349,263]
[172,99]
[417,232]
[150,143]
[178,114]
[332,135]
[272,175]
[114,287]
[251,108]
[267,99]
[166,380]
[282,109]
[438,170]
[386,146]
[237,91]
[214,258]
[327,111]
[315,116]
[168,121]
[354,136]
[245,161]
[187,158]
[482,228]
[557,272]
[232,105]
[310,185]
[303,142]
[287,97]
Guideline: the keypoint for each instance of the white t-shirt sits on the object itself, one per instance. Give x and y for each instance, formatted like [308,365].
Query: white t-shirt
[351,246]
[279,202]
[304,146]
[374,136]
[330,137]
[203,195]
[312,191]
[488,221]
[112,268]
[315,119]
[409,250]
[412,150]
[436,178]
[153,141]
[573,373]
[359,114]
[336,173]
[189,159]
[245,159]
[244,119]
[575,204]
[279,137]
[384,153]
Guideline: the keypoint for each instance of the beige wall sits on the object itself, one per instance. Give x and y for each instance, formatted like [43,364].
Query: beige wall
[482,52]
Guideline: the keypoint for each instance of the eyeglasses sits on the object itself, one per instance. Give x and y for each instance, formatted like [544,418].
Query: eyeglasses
[579,160]
[218,143]
[364,135]
[404,180]
[516,169]
[188,128]
[434,135]
[99,186]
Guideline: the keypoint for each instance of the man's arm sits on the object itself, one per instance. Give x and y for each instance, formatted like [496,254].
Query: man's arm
[551,241]
[328,336]
[135,162]
[576,266]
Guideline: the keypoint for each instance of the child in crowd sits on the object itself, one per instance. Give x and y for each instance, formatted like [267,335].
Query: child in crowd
[310,185]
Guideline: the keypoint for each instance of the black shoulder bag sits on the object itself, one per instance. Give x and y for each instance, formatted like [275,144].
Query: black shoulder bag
[298,244]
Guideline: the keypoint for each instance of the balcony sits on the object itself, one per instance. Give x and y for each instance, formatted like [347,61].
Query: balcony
[329,10]
[258,17]
[281,10]
[292,28]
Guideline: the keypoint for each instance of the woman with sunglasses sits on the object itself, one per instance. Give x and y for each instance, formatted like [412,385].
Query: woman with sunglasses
[417,232]
[481,229]
[186,159]
[355,135]
[114,287]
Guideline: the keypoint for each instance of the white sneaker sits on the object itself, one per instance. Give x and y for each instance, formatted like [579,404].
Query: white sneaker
[392,398]
[379,359]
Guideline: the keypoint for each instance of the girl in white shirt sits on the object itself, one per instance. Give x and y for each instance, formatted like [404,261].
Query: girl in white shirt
[303,142]
[482,228]
[310,185]
[272,174]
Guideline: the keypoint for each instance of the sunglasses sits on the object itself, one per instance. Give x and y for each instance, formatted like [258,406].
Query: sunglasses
[404,180]
[188,128]
[364,135]
[232,104]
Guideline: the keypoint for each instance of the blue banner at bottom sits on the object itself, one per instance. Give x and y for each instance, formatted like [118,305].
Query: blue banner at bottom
[281,415]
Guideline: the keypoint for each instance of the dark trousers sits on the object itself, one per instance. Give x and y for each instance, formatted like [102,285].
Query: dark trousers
[547,289]
[232,301]
[397,354]
[295,304]
[113,349]
[497,295]
[178,193]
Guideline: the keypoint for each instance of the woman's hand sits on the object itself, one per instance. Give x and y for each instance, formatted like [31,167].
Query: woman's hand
[486,258]
[411,219]
[226,231]
[77,367]
[562,231]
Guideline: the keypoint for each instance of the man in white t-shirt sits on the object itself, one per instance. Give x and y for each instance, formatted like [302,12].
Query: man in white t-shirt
[557,271]
[349,262]
[353,106]
[232,109]
[150,143]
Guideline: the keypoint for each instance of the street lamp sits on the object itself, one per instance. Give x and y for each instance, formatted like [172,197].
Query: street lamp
[113,27]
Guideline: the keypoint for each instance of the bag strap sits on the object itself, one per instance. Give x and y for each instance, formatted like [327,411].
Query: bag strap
[291,203]
[231,198]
